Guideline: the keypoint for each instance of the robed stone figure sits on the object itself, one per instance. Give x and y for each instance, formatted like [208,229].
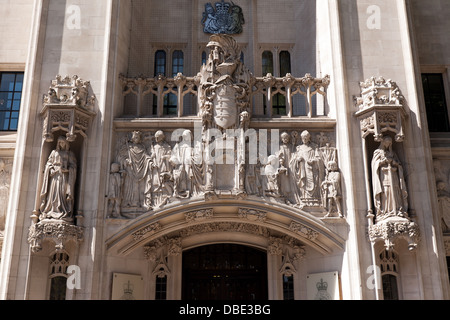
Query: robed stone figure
[58,187]
[389,187]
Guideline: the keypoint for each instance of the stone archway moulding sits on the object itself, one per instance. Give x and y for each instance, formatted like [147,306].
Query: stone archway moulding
[254,219]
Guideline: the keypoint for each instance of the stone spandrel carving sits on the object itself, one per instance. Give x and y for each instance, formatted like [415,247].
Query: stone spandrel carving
[58,187]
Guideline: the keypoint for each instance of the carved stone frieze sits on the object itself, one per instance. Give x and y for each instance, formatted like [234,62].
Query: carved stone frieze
[303,230]
[148,230]
[56,231]
[252,215]
[199,215]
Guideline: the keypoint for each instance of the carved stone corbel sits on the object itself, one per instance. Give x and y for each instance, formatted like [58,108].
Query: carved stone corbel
[58,232]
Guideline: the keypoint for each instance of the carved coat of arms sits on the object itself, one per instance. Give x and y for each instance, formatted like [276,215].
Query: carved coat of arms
[223,18]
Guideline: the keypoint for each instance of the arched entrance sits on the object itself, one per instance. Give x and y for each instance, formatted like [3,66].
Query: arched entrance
[224,272]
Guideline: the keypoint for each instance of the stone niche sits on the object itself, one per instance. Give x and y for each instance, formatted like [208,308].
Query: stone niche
[68,110]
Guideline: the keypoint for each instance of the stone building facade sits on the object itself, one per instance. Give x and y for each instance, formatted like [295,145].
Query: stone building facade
[225,150]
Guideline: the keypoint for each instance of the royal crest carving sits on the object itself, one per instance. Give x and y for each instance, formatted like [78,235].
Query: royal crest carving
[223,18]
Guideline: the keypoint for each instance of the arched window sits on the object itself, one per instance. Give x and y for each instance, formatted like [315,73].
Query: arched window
[177,62]
[58,275]
[170,100]
[160,63]
[267,63]
[389,274]
[285,63]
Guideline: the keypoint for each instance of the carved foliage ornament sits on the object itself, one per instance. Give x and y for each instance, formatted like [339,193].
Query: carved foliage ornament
[58,232]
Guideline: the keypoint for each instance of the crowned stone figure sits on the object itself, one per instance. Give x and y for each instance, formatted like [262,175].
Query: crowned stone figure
[58,187]
[388,181]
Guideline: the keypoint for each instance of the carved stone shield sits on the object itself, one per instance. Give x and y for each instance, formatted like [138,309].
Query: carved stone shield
[225,107]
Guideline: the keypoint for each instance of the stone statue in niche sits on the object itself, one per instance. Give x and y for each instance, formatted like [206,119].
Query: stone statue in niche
[162,178]
[58,187]
[137,165]
[389,186]
[444,204]
[309,171]
[115,191]
[331,189]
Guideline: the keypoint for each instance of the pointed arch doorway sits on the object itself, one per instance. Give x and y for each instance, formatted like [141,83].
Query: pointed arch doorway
[224,272]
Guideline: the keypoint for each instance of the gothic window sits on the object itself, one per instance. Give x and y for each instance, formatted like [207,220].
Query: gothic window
[161,288]
[160,63]
[58,275]
[170,100]
[279,100]
[285,63]
[435,102]
[288,287]
[177,62]
[267,63]
[389,274]
[10,97]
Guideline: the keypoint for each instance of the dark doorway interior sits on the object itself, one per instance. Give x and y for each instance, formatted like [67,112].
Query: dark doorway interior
[224,272]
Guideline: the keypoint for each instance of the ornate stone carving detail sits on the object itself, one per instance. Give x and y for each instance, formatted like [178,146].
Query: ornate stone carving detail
[148,230]
[174,247]
[68,106]
[199,215]
[224,227]
[275,246]
[215,161]
[223,18]
[394,228]
[381,108]
[58,232]
[303,231]
[252,215]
